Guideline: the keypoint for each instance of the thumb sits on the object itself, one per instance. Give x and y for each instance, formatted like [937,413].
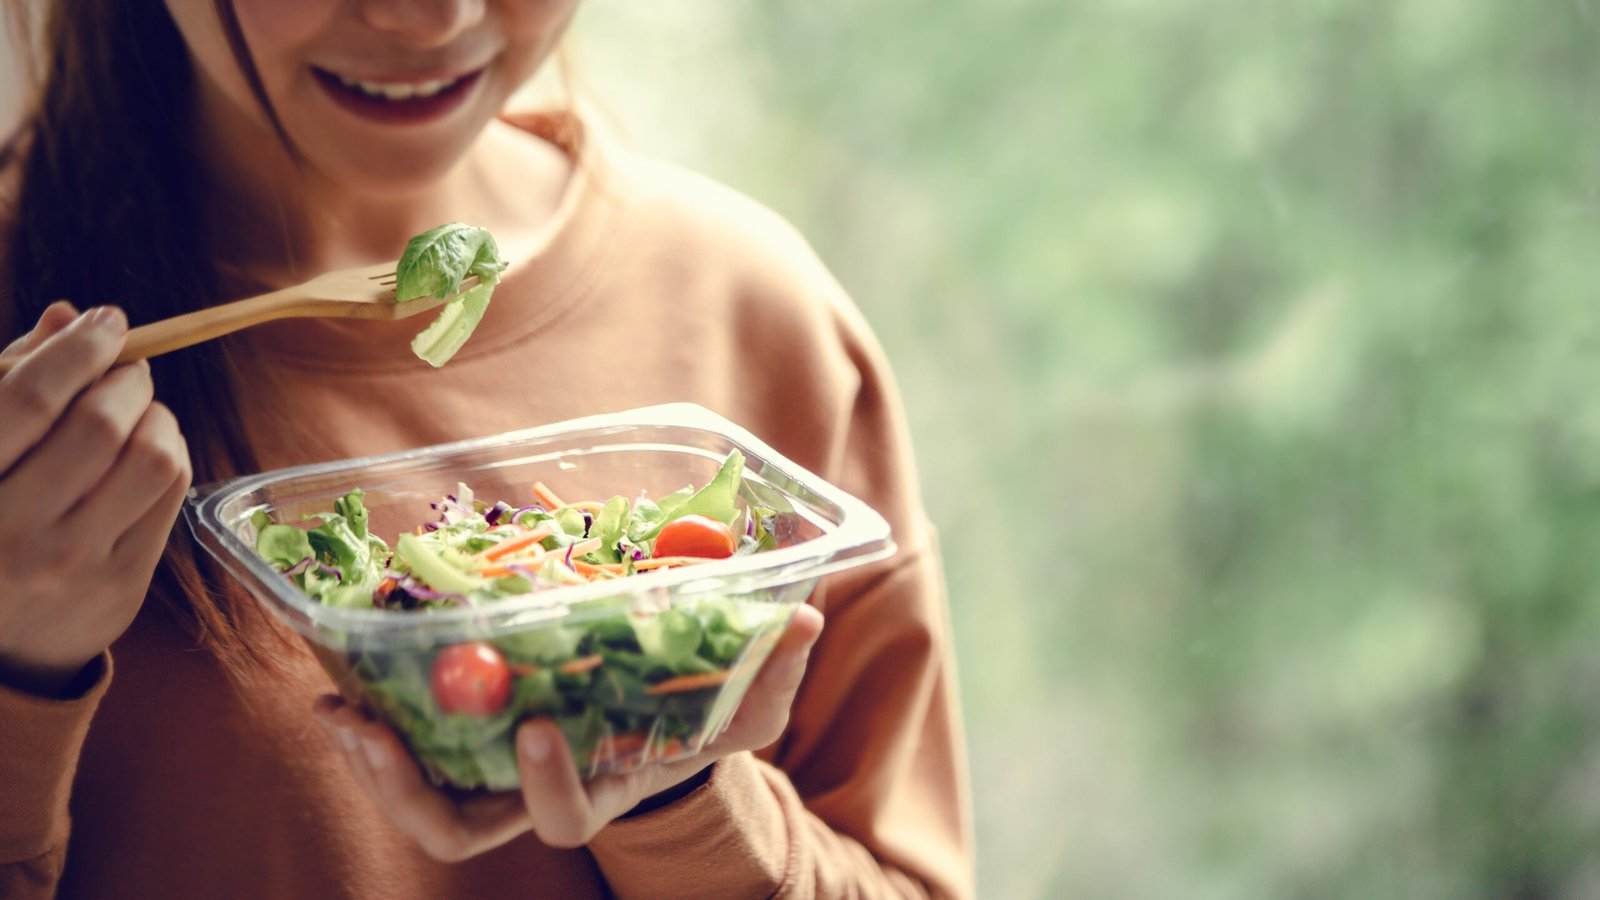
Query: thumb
[57,316]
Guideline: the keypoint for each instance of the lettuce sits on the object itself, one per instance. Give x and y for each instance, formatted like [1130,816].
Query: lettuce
[433,265]
[434,567]
[715,500]
[436,262]
[456,322]
[344,561]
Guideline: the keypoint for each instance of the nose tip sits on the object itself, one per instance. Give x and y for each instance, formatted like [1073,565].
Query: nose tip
[427,23]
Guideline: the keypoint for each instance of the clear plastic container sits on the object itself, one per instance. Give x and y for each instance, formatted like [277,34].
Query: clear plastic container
[612,717]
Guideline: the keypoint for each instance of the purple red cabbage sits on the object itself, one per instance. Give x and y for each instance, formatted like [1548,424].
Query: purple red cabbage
[497,511]
[305,564]
[407,586]
[456,507]
[531,507]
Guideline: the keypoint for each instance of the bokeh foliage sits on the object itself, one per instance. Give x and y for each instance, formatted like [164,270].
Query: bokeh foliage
[1248,347]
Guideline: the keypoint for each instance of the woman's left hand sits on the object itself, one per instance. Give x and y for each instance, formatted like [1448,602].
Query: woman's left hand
[554,802]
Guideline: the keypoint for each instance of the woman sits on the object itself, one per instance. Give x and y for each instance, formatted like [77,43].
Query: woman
[186,152]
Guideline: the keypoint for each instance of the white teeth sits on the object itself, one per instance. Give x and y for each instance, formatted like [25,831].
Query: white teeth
[397,90]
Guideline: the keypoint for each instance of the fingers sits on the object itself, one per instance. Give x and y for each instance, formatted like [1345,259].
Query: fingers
[34,394]
[153,457]
[557,804]
[142,542]
[447,830]
[85,442]
[567,812]
[57,316]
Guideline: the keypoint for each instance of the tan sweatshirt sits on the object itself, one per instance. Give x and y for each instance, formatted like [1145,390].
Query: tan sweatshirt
[166,779]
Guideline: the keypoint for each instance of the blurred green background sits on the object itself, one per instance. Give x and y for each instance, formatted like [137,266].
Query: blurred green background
[1249,349]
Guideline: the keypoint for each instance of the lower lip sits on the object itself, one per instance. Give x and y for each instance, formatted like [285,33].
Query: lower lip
[410,111]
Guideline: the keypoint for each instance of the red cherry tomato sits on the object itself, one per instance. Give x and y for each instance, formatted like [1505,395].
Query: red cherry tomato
[472,679]
[695,536]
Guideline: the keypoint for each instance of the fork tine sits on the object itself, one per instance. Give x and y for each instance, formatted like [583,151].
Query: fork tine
[381,276]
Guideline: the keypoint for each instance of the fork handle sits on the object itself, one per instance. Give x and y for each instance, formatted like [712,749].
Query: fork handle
[191,328]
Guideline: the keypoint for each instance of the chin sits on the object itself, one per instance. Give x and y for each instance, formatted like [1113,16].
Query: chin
[394,167]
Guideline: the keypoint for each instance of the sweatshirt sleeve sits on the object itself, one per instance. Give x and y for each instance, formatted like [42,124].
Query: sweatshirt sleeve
[39,744]
[865,795]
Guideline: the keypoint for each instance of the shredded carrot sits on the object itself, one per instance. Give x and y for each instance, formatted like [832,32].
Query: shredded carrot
[591,569]
[505,569]
[538,558]
[517,543]
[523,670]
[624,744]
[547,496]
[684,683]
[628,743]
[592,506]
[581,665]
[384,588]
[645,565]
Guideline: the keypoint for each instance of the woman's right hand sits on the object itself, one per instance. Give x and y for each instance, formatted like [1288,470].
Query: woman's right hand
[93,473]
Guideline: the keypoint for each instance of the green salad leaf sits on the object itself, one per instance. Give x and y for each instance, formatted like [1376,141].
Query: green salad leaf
[672,636]
[611,526]
[434,567]
[716,500]
[338,562]
[282,545]
[434,264]
[456,322]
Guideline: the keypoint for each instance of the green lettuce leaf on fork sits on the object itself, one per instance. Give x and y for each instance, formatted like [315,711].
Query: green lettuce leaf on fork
[434,264]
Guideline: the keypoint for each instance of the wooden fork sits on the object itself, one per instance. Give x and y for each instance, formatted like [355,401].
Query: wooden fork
[349,293]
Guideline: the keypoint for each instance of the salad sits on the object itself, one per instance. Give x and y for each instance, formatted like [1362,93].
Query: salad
[433,265]
[626,684]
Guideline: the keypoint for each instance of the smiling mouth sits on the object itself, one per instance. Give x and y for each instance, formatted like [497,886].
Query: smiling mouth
[398,90]
[397,102]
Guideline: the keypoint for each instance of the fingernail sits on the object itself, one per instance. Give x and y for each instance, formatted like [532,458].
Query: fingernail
[348,738]
[535,745]
[376,757]
[108,318]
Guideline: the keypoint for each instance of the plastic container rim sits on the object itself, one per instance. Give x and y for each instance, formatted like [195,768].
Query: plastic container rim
[861,535]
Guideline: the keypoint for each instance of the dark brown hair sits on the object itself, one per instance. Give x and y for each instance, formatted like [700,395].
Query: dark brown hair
[108,212]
